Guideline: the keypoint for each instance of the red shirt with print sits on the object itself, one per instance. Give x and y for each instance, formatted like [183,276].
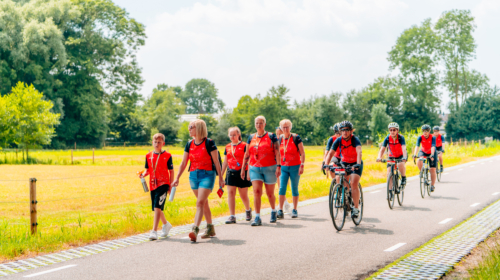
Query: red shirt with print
[158,169]
[235,155]
[289,152]
[199,157]
[262,150]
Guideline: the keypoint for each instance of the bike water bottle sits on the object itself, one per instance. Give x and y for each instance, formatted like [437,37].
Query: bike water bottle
[172,194]
[144,184]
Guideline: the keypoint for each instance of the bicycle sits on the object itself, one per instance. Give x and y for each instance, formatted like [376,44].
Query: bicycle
[397,189]
[425,181]
[341,201]
[438,170]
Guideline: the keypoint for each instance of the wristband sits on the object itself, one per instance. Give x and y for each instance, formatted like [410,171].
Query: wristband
[279,165]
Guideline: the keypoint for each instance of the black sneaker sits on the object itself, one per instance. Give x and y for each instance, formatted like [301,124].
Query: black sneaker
[355,213]
[432,188]
[389,196]
[231,220]
[441,169]
[257,222]
[249,214]
[281,215]
[273,216]
[403,181]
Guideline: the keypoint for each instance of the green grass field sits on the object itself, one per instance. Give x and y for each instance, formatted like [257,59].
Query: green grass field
[84,202]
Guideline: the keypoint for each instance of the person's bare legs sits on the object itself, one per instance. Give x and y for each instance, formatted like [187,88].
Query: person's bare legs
[231,197]
[202,207]
[355,190]
[244,197]
[257,193]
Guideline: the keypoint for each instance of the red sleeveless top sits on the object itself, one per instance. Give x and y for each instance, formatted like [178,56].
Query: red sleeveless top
[262,151]
[235,155]
[199,157]
[158,169]
[292,155]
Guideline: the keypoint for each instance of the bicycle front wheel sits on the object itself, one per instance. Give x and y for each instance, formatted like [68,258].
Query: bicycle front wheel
[401,194]
[438,174]
[422,182]
[357,220]
[330,198]
[428,179]
[338,210]
[390,192]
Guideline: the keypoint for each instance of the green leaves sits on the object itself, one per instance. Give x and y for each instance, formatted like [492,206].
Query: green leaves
[200,97]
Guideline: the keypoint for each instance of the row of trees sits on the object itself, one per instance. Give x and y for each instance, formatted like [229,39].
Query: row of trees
[81,54]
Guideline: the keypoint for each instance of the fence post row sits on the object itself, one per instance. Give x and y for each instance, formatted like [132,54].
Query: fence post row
[33,203]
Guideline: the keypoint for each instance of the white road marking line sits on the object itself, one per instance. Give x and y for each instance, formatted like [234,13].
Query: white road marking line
[445,221]
[472,166]
[475,204]
[375,191]
[495,193]
[482,162]
[460,169]
[51,270]
[394,247]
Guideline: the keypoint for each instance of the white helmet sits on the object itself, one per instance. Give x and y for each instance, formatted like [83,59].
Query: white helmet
[393,125]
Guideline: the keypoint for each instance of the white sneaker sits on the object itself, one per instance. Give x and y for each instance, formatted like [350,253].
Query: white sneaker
[287,207]
[166,228]
[153,235]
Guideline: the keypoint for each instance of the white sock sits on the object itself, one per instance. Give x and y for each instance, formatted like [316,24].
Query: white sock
[257,215]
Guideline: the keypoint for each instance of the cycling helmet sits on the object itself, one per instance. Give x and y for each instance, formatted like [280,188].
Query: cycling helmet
[393,125]
[426,127]
[336,128]
[347,124]
[436,128]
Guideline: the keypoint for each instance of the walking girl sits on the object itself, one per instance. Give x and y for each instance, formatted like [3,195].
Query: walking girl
[263,153]
[233,162]
[292,157]
[204,158]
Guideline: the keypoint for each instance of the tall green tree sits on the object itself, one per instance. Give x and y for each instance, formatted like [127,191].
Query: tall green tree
[274,106]
[414,55]
[327,112]
[379,120]
[200,97]
[244,114]
[35,123]
[456,49]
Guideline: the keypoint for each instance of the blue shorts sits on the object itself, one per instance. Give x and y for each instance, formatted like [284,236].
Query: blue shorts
[264,174]
[202,179]
[292,173]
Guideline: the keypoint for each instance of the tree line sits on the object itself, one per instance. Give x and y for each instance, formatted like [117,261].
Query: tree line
[81,54]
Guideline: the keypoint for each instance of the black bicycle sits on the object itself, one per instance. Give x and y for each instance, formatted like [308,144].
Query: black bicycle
[395,179]
[340,198]
[425,178]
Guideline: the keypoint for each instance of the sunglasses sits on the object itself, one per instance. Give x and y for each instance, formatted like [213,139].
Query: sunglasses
[393,130]
[191,127]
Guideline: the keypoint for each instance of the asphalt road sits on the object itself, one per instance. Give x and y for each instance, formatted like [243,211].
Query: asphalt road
[304,248]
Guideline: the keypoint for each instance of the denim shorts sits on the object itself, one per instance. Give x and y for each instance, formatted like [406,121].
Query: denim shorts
[264,174]
[292,173]
[202,179]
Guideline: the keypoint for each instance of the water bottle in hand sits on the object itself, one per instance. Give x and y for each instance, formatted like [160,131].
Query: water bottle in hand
[144,184]
[172,194]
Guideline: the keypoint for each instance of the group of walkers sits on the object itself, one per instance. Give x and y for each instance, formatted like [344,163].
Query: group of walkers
[259,162]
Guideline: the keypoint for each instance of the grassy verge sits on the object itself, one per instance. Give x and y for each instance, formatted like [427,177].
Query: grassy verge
[85,203]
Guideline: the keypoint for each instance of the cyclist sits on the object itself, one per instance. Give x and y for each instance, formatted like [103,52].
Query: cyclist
[329,144]
[439,146]
[397,149]
[428,150]
[351,156]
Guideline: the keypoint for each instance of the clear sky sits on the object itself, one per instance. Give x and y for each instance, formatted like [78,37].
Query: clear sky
[314,47]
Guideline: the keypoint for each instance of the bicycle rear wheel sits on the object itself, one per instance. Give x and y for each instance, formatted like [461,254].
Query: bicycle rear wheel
[331,196]
[338,211]
[438,174]
[390,193]
[422,182]
[401,194]
[357,220]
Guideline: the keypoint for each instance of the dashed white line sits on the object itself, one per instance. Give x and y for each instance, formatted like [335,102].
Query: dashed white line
[482,162]
[445,221]
[394,247]
[375,191]
[495,193]
[475,204]
[472,166]
[51,270]
[460,169]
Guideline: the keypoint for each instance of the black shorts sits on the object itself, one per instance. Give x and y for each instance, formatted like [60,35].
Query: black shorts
[159,196]
[401,157]
[233,178]
[432,163]
[440,149]
[358,171]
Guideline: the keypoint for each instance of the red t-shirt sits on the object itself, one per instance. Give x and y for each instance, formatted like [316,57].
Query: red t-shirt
[158,166]
[235,155]
[262,150]
[439,140]
[337,152]
[198,156]
[292,155]
[347,148]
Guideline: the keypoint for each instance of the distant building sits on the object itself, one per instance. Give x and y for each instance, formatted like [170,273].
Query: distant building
[192,117]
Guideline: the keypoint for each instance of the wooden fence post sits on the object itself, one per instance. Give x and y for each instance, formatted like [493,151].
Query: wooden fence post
[93,159]
[75,145]
[33,202]
[71,156]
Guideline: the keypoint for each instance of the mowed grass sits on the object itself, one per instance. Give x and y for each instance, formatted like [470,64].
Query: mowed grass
[85,203]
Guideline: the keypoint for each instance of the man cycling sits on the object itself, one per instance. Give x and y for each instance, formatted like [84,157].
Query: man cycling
[439,146]
[329,144]
[351,156]
[397,149]
[428,150]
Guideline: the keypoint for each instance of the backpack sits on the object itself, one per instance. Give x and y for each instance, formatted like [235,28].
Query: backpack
[206,148]
[294,137]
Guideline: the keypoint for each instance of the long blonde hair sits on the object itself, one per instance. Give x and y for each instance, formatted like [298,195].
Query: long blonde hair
[201,128]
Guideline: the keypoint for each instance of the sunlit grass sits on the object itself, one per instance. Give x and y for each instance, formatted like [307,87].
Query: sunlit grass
[106,200]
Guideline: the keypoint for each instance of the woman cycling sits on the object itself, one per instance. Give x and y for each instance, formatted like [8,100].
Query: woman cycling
[292,157]
[233,161]
[204,158]
[263,153]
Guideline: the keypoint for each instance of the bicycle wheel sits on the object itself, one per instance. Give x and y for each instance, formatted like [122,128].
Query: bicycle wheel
[357,220]
[401,194]
[390,193]
[331,196]
[338,211]
[422,182]
[428,182]
[438,174]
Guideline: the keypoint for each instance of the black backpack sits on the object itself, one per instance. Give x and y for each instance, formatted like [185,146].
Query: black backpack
[206,148]
[294,137]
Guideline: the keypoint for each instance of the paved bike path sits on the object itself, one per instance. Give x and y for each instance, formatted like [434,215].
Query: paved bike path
[307,247]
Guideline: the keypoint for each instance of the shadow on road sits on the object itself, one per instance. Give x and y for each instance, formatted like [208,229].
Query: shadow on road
[444,197]
[213,240]
[371,220]
[448,182]
[410,208]
[366,229]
